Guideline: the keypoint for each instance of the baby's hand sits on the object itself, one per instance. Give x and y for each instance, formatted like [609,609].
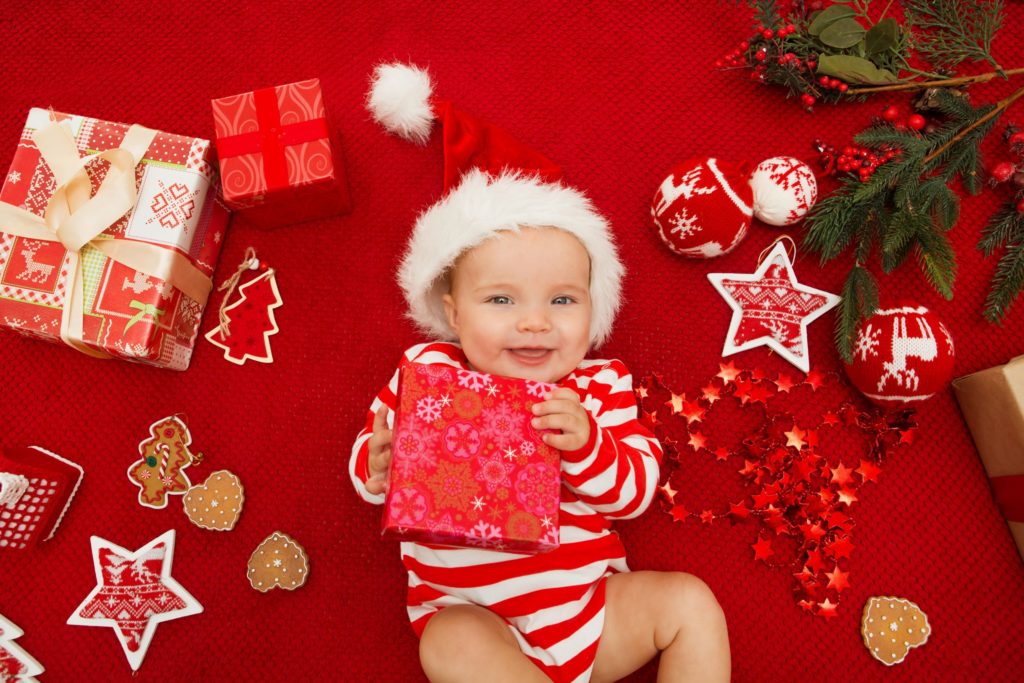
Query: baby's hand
[380,452]
[562,410]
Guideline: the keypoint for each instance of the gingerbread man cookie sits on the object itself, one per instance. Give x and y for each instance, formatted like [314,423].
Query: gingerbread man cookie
[278,562]
[217,503]
[165,455]
[891,626]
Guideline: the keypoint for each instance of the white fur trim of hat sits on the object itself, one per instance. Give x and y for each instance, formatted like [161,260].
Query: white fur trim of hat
[480,207]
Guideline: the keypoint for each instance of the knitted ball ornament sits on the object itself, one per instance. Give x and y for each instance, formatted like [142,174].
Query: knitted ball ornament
[702,209]
[901,356]
[492,184]
[784,190]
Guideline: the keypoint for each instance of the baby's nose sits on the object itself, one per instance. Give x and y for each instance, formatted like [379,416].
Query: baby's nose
[534,319]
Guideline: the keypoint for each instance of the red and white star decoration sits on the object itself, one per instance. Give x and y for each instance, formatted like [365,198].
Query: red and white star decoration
[134,592]
[770,308]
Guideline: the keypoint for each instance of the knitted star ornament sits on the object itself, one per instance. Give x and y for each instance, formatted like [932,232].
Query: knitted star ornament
[770,308]
[784,190]
[901,356]
[702,208]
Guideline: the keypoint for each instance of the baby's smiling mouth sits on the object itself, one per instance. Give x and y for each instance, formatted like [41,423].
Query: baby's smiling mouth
[530,353]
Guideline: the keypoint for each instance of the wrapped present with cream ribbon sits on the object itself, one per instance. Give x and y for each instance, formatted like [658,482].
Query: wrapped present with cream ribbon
[109,236]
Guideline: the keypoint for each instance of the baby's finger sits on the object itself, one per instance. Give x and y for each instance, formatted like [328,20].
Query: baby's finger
[563,392]
[378,483]
[380,419]
[564,442]
[557,405]
[561,421]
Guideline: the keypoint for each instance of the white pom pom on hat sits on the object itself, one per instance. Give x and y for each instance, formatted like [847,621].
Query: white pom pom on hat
[492,183]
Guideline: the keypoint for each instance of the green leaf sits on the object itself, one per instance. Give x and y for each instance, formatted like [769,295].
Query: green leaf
[854,70]
[884,35]
[829,16]
[843,33]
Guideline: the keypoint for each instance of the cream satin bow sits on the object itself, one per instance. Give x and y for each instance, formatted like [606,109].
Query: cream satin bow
[77,220]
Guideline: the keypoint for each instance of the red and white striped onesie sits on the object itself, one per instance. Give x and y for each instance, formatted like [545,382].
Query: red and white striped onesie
[553,602]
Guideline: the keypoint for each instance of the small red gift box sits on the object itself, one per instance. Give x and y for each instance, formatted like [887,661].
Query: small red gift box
[36,488]
[134,290]
[467,468]
[277,161]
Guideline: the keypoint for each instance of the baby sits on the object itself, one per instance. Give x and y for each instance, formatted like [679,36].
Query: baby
[522,273]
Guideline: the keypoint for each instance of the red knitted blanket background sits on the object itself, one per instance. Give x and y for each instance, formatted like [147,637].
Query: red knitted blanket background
[617,93]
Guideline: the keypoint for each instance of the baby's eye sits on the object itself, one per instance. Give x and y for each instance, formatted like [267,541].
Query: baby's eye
[562,300]
[499,299]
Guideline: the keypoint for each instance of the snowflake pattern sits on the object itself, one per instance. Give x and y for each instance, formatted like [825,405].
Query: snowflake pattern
[493,472]
[485,535]
[14,177]
[503,425]
[684,224]
[867,342]
[473,380]
[539,389]
[428,409]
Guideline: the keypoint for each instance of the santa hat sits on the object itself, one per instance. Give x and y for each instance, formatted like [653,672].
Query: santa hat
[492,183]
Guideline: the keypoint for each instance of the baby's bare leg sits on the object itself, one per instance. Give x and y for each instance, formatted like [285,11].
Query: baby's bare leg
[668,612]
[469,643]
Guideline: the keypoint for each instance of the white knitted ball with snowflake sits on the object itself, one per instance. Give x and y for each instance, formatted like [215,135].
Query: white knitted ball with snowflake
[901,356]
[784,190]
[702,209]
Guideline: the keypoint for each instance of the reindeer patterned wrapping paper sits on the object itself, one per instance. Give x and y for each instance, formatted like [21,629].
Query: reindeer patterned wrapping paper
[127,314]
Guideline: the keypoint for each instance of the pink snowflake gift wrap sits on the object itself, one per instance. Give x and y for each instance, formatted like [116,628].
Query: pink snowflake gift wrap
[467,468]
[125,313]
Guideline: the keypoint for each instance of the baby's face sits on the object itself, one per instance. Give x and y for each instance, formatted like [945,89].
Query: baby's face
[520,304]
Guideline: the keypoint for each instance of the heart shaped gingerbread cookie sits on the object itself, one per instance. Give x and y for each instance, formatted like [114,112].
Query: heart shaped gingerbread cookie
[891,626]
[216,503]
[278,562]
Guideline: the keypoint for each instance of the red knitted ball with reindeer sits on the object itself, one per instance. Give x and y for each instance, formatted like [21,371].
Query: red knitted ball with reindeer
[702,209]
[901,356]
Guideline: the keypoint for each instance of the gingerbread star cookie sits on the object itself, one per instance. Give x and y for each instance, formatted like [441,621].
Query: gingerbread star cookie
[217,503]
[891,626]
[278,562]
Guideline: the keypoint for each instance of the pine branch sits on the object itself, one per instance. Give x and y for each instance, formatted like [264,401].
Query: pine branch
[1006,284]
[952,31]
[1006,225]
[859,300]
[937,83]
[766,13]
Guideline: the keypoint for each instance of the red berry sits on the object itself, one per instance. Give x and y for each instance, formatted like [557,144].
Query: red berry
[843,87]
[1017,139]
[1002,171]
[916,122]
[1020,206]
[808,100]
[790,28]
[890,114]
[767,34]
[823,81]
[811,64]
[761,55]
[744,45]
[834,83]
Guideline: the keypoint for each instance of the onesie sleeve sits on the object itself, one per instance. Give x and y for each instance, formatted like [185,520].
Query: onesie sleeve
[616,471]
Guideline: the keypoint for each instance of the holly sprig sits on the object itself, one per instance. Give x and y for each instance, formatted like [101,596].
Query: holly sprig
[907,206]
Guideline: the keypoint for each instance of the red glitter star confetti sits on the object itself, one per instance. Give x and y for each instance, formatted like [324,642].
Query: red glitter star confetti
[837,579]
[763,548]
[727,372]
[793,492]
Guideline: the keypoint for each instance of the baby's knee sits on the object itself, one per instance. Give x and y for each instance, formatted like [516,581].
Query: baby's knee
[451,638]
[692,597]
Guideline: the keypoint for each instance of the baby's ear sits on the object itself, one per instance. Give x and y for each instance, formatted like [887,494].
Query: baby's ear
[451,312]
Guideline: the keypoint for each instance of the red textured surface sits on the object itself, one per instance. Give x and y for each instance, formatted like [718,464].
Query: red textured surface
[615,95]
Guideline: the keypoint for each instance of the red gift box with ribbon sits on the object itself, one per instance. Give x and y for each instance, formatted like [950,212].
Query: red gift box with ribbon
[467,468]
[109,235]
[992,402]
[36,488]
[278,160]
